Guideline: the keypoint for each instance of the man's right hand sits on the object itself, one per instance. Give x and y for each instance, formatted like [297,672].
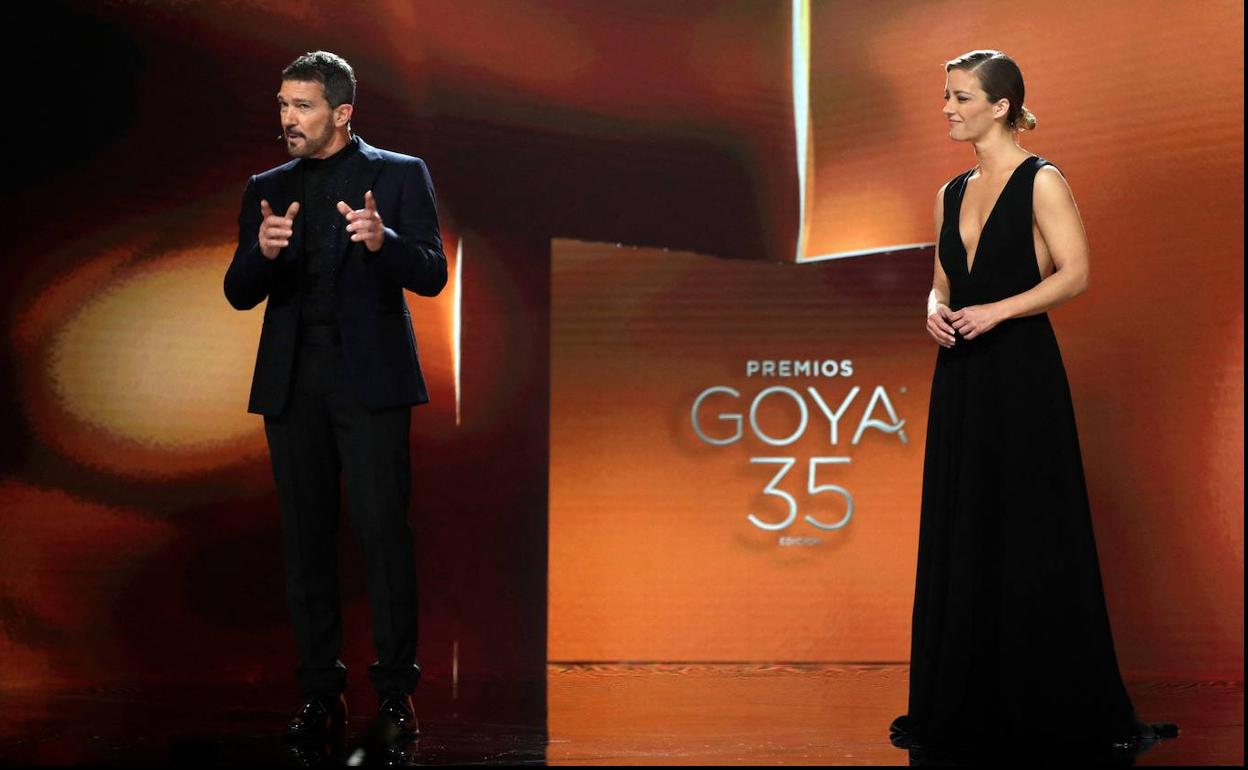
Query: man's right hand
[938,326]
[275,231]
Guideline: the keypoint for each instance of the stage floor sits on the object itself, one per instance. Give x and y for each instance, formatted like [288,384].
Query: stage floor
[596,714]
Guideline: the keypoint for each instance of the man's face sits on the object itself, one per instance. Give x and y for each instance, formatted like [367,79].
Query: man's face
[308,123]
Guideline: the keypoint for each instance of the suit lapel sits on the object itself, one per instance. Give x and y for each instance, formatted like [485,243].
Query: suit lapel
[365,167]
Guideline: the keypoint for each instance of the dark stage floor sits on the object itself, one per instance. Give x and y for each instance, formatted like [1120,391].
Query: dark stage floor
[607,714]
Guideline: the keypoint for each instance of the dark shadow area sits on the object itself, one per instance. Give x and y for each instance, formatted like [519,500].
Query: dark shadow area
[242,726]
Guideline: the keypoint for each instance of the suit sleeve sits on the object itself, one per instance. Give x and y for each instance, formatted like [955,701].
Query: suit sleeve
[411,253]
[250,275]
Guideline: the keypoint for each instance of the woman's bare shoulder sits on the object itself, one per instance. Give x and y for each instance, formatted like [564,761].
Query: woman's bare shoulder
[1051,185]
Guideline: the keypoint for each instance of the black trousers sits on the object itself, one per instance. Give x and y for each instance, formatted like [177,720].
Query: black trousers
[325,433]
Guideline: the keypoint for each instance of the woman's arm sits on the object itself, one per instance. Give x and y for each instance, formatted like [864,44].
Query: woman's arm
[1062,230]
[938,311]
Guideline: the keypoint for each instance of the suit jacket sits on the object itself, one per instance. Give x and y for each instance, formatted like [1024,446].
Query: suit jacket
[379,347]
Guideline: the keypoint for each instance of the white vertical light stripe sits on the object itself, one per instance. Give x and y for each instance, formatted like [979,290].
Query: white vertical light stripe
[457,321]
[801,110]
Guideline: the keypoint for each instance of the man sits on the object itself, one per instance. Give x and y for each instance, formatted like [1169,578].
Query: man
[331,239]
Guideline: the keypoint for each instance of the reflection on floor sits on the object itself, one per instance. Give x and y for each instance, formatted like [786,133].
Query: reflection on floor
[597,714]
[819,714]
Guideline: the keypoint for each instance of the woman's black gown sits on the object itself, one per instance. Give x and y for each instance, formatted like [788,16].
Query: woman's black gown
[1010,632]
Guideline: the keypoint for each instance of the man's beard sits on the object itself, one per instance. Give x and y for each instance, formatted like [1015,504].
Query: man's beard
[312,145]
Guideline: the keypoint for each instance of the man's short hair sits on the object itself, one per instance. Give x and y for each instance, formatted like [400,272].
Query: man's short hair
[330,70]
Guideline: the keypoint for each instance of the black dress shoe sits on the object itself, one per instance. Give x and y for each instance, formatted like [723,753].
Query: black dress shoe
[397,708]
[1146,734]
[318,716]
[1165,730]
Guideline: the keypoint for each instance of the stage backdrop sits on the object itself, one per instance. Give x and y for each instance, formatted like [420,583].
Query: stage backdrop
[654,554]
[722,144]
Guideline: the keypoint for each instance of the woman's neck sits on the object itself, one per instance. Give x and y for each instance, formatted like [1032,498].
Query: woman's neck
[998,154]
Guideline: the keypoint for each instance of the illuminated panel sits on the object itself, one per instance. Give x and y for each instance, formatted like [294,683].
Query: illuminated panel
[700,493]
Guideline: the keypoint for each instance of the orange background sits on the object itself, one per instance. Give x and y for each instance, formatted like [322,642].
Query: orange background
[133,485]
[1140,105]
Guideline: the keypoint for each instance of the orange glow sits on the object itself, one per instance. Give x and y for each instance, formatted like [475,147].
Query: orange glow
[149,375]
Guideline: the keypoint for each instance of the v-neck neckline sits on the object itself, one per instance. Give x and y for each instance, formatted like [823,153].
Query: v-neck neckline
[983,228]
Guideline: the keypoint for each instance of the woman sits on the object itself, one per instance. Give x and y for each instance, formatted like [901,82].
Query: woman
[1011,638]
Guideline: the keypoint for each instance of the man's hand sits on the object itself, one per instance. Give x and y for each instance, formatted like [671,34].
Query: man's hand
[275,231]
[364,224]
[938,326]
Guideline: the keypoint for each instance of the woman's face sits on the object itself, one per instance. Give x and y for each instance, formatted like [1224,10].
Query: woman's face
[970,114]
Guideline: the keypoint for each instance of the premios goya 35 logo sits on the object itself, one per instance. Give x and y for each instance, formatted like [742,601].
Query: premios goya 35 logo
[720,416]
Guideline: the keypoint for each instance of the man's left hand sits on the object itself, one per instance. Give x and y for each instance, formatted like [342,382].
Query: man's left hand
[364,224]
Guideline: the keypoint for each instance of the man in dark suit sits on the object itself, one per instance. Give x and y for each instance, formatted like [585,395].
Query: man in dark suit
[337,372]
